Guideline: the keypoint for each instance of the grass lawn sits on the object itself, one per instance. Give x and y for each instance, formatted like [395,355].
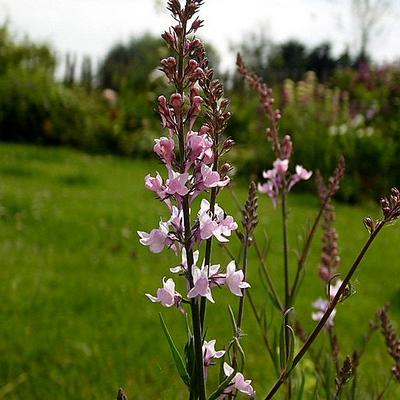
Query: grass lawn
[74,321]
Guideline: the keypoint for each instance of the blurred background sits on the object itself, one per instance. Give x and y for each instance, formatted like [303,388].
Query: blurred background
[78,89]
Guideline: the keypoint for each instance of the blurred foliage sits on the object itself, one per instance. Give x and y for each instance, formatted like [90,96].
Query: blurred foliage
[344,106]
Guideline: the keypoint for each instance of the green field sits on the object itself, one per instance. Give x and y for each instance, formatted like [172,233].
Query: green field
[74,321]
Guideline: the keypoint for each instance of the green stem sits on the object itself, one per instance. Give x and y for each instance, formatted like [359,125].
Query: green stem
[286,276]
[196,323]
[285,374]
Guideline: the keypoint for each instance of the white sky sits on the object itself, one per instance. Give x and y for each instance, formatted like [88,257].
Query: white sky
[92,26]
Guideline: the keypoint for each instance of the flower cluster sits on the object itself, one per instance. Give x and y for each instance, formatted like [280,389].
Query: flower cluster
[194,117]
[238,384]
[278,180]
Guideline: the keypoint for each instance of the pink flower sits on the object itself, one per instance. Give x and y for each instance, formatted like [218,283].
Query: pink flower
[234,279]
[164,148]
[301,175]
[167,295]
[200,147]
[210,353]
[176,183]
[155,184]
[201,285]
[322,306]
[211,178]
[220,226]
[281,166]
[238,383]
[156,239]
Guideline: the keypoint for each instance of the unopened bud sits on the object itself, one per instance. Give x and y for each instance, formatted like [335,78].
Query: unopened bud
[178,30]
[224,169]
[369,223]
[198,73]
[176,101]
[162,101]
[228,144]
[224,103]
[169,38]
[197,23]
[204,130]
[286,148]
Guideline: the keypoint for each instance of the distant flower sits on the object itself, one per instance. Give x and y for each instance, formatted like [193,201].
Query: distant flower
[167,295]
[322,306]
[301,175]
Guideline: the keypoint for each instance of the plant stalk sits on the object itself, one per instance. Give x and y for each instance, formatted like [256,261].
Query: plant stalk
[285,374]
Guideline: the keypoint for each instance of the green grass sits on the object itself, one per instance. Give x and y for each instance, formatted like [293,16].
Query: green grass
[74,321]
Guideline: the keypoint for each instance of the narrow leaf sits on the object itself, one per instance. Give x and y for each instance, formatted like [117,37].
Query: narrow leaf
[224,384]
[180,366]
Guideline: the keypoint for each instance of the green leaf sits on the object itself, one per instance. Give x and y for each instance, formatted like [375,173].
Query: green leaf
[223,385]
[301,388]
[180,365]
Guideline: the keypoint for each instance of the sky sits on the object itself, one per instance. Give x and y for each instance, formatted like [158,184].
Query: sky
[91,27]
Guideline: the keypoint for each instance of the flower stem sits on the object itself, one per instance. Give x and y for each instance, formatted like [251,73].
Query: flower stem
[285,374]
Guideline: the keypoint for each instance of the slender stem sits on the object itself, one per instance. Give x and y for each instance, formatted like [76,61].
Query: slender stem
[239,320]
[334,350]
[285,249]
[197,331]
[307,245]
[244,269]
[268,276]
[207,256]
[286,276]
[285,374]
[264,335]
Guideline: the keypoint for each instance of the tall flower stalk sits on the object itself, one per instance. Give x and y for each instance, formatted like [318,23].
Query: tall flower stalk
[194,117]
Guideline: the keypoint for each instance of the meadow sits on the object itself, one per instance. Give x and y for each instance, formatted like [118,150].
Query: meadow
[74,321]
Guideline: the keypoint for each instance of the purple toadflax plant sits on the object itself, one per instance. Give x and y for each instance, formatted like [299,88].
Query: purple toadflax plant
[194,117]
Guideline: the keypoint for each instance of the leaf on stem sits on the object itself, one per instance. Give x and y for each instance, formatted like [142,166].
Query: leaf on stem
[180,365]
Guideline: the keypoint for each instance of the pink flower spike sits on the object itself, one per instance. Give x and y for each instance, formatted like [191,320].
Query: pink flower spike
[210,353]
[164,148]
[176,183]
[201,284]
[234,279]
[166,295]
[157,239]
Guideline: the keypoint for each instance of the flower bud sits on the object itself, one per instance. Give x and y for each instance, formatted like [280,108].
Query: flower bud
[197,23]
[224,169]
[228,144]
[369,224]
[176,101]
[286,147]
